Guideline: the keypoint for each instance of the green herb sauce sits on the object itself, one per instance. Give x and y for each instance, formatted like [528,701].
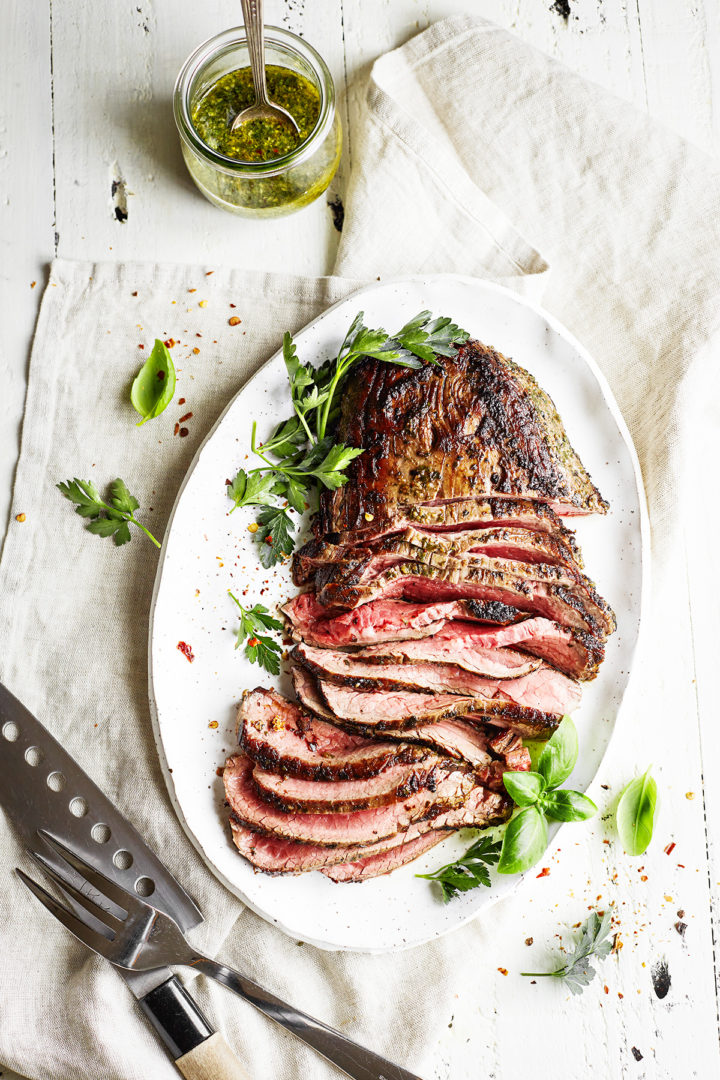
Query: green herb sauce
[256,140]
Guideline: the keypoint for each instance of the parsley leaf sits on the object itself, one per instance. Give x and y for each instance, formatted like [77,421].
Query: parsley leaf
[106,519]
[251,489]
[594,941]
[259,648]
[470,870]
[274,535]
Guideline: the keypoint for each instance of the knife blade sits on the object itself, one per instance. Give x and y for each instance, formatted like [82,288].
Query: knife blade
[43,787]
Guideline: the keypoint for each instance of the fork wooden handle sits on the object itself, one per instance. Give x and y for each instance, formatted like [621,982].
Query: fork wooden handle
[211,1060]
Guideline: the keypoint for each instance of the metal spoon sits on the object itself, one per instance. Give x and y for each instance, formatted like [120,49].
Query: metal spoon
[263,109]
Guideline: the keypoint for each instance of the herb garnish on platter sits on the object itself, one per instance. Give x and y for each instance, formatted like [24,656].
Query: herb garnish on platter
[525,837]
[526,834]
[106,519]
[305,452]
[594,941]
[259,648]
[470,870]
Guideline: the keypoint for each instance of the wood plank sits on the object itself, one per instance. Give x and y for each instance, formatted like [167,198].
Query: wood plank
[121,61]
[681,52]
[26,212]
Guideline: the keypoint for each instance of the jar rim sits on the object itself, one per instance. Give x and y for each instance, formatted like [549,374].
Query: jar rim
[236,36]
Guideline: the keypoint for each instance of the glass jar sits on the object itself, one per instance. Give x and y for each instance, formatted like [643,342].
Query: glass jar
[258,188]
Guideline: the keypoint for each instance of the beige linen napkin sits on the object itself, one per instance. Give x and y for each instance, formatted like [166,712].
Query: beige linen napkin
[627,216]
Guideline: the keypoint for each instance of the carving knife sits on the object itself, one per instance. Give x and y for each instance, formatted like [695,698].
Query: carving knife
[43,787]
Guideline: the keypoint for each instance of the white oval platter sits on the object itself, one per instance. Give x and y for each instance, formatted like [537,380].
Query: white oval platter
[206,552]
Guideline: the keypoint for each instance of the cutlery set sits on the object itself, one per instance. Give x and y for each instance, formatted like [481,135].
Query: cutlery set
[124,904]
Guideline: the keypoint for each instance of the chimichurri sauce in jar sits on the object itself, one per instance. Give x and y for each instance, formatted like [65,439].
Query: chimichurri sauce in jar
[264,168]
[256,140]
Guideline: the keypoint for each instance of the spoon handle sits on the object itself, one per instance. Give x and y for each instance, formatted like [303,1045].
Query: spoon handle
[253,18]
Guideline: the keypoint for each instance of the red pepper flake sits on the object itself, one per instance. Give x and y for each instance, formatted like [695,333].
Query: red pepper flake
[141,346]
[181,401]
[187,416]
[177,428]
[183,432]
[219,772]
[670,848]
[134,294]
[606,989]
[252,642]
[33,284]
[643,877]
[209,272]
[186,650]
[20,518]
[234,321]
[213,724]
[160,375]
[233,305]
[503,971]
[170,343]
[196,351]
[620,995]
[192,290]
[528,941]
[268,539]
[545,872]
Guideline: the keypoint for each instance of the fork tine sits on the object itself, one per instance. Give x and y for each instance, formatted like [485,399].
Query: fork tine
[109,921]
[71,922]
[118,895]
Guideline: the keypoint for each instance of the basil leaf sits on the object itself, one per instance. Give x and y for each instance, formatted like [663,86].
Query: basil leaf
[636,814]
[524,841]
[154,385]
[567,805]
[558,758]
[524,788]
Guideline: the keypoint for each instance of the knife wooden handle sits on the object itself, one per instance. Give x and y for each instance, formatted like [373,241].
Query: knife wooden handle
[211,1060]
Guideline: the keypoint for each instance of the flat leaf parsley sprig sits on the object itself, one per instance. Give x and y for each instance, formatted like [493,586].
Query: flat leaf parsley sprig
[106,519]
[470,870]
[594,941]
[307,456]
[259,648]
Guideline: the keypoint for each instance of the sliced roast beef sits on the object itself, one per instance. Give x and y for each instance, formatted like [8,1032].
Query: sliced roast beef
[451,649]
[385,862]
[450,517]
[339,829]
[385,620]
[393,713]
[545,689]
[465,742]
[331,579]
[280,737]
[276,855]
[436,549]
[393,784]
[477,424]
[571,606]
[576,653]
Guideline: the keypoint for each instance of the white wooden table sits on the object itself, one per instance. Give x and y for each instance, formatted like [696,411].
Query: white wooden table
[85,92]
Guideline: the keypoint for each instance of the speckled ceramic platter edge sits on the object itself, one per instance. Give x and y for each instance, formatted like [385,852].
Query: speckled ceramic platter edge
[205,552]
